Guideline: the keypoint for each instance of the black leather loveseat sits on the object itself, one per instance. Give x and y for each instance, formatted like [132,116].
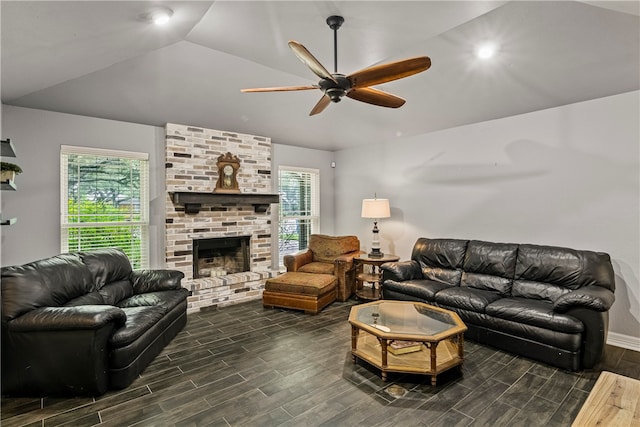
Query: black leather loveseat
[80,323]
[546,303]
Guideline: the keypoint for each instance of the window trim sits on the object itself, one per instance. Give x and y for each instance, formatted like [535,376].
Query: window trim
[143,223]
[315,202]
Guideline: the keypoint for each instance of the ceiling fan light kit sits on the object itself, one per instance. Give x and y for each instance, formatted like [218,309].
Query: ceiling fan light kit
[356,85]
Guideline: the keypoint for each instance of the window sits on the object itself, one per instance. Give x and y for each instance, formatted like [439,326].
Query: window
[299,208]
[104,199]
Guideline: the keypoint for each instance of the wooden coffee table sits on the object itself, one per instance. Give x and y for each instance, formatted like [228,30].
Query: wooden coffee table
[441,332]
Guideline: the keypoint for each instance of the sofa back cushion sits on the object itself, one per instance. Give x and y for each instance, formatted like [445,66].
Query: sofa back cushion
[440,260]
[328,248]
[107,265]
[563,267]
[50,282]
[114,292]
[489,266]
[537,290]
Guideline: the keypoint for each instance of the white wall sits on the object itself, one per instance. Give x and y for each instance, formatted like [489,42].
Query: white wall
[566,176]
[37,136]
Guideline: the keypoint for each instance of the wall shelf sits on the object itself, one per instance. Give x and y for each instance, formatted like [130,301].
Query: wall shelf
[8,185]
[193,201]
[7,148]
[9,221]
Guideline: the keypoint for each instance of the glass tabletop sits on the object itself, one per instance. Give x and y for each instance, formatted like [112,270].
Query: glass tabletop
[402,317]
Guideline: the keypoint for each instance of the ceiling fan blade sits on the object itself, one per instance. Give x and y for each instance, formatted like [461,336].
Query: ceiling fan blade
[383,73]
[280,89]
[321,105]
[376,97]
[310,61]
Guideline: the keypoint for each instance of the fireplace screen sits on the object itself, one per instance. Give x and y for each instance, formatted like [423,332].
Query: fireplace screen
[220,256]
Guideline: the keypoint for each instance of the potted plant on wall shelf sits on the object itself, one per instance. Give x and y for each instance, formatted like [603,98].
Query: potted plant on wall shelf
[8,171]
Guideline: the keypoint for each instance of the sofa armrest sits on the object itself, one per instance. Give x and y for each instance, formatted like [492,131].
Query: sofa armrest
[68,318]
[144,281]
[59,350]
[294,261]
[401,271]
[593,297]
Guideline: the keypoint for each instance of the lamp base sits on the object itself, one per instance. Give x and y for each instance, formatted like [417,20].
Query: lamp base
[375,253]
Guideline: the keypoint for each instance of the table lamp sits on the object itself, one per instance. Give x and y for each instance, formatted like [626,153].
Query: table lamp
[376,209]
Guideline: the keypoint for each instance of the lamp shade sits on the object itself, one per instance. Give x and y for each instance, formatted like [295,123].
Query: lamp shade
[375,208]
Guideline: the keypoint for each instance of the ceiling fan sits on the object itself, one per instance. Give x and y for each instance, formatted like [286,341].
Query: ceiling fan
[356,85]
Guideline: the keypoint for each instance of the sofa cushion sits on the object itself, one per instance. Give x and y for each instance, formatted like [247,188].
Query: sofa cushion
[439,253]
[564,267]
[537,290]
[107,265]
[166,299]
[451,277]
[496,259]
[534,312]
[92,298]
[50,282]
[466,298]
[155,280]
[139,320]
[486,282]
[489,266]
[328,248]
[425,290]
[114,292]
[497,328]
[318,268]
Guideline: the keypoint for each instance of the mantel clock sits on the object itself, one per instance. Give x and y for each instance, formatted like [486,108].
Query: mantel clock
[228,166]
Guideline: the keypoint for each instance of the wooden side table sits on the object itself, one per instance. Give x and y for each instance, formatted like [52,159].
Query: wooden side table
[373,277]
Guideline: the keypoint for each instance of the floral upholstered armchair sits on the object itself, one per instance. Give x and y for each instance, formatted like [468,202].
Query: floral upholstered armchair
[329,255]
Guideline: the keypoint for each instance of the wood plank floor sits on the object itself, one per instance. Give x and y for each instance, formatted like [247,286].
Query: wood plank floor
[248,366]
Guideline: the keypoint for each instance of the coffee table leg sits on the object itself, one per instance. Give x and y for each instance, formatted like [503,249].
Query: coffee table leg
[383,344]
[354,342]
[434,377]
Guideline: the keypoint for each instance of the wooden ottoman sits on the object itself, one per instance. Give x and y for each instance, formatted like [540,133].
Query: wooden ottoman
[310,292]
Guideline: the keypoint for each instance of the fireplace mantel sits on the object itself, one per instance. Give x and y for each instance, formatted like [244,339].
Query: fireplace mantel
[193,201]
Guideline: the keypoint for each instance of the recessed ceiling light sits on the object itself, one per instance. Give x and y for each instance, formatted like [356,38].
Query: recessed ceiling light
[486,51]
[158,15]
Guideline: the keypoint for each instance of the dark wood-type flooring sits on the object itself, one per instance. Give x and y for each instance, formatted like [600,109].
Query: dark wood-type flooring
[244,365]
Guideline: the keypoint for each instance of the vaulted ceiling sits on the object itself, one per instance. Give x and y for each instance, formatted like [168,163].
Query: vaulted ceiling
[101,59]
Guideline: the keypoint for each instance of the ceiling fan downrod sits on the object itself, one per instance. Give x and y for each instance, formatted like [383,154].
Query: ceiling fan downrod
[335,22]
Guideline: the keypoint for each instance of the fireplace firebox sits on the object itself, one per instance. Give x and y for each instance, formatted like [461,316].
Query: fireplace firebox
[220,256]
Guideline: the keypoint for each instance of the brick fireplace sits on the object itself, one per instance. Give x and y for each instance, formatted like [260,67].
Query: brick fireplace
[196,213]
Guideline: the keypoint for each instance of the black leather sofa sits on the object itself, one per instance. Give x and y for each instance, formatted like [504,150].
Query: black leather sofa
[81,323]
[546,303]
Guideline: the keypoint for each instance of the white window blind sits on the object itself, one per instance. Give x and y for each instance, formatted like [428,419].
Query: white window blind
[105,201]
[299,190]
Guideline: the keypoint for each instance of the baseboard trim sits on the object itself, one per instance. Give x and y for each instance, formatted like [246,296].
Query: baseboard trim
[624,341]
